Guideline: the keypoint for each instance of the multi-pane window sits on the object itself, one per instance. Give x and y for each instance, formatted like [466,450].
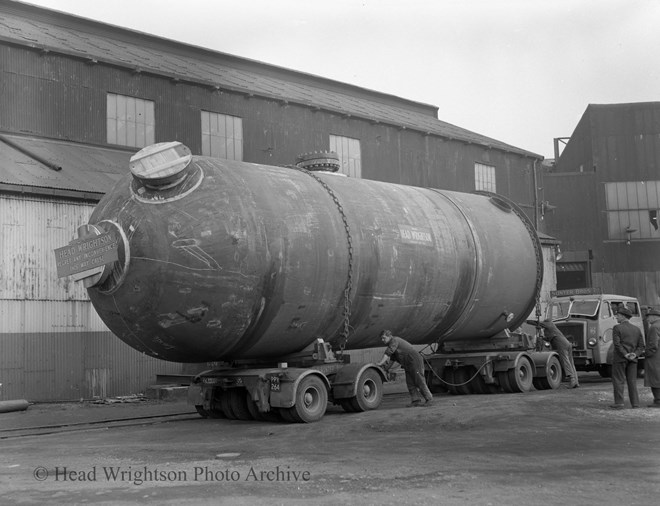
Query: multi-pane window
[222,136]
[633,210]
[350,157]
[484,178]
[130,121]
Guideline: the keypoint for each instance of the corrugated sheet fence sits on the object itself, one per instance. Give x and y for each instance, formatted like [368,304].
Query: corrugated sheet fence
[53,346]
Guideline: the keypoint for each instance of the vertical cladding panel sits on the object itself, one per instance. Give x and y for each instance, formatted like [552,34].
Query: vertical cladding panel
[31,230]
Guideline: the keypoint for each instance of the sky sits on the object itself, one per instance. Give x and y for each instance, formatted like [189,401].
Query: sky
[519,71]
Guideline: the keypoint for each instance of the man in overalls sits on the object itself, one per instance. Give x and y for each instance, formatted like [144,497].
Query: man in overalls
[401,351]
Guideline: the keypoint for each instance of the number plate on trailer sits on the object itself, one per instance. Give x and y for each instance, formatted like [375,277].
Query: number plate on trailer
[275,383]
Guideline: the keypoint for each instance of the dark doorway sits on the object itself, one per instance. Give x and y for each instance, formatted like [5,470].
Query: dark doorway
[572,275]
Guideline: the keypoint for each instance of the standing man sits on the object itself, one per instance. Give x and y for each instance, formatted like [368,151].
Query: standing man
[564,349]
[652,356]
[401,351]
[628,345]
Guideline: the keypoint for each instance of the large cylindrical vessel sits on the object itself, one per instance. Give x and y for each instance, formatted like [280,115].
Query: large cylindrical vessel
[222,260]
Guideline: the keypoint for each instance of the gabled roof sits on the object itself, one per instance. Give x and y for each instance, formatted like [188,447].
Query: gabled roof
[57,32]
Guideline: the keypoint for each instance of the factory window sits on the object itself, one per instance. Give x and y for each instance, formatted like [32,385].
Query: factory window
[222,136]
[484,178]
[130,121]
[349,154]
[632,210]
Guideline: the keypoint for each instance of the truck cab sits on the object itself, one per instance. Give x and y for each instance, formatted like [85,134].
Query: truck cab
[586,317]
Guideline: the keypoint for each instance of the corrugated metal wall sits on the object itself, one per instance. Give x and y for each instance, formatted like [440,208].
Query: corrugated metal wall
[53,346]
[611,143]
[65,98]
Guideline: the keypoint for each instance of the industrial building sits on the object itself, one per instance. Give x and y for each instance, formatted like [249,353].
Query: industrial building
[79,97]
[603,193]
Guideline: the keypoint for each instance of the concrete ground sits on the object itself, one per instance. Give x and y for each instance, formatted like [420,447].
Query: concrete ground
[547,447]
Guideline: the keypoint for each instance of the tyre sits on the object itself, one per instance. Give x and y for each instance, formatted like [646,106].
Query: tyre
[521,375]
[369,392]
[605,370]
[225,404]
[202,412]
[311,400]
[503,379]
[215,410]
[238,401]
[552,378]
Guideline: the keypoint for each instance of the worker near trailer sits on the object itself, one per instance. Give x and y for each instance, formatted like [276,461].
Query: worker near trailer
[564,349]
[628,345]
[652,356]
[401,351]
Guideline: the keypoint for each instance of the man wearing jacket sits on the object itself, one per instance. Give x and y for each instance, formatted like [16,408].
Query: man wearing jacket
[652,356]
[628,344]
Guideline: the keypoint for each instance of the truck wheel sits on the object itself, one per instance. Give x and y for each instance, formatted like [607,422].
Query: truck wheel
[552,378]
[605,370]
[369,392]
[311,400]
[521,376]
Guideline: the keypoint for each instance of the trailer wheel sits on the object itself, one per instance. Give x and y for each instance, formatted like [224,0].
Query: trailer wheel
[226,405]
[503,379]
[215,411]
[369,392]
[238,401]
[552,378]
[311,400]
[521,376]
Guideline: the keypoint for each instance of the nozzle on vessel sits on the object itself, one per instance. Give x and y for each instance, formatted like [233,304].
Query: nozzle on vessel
[161,166]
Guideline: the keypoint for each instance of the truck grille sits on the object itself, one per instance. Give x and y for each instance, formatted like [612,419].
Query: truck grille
[576,333]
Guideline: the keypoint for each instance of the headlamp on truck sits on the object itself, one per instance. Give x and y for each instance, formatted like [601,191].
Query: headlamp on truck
[592,342]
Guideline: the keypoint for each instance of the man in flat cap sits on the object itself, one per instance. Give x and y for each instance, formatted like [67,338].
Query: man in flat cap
[652,356]
[628,344]
[564,349]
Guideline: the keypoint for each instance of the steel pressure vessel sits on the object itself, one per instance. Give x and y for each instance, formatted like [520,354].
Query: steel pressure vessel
[222,260]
